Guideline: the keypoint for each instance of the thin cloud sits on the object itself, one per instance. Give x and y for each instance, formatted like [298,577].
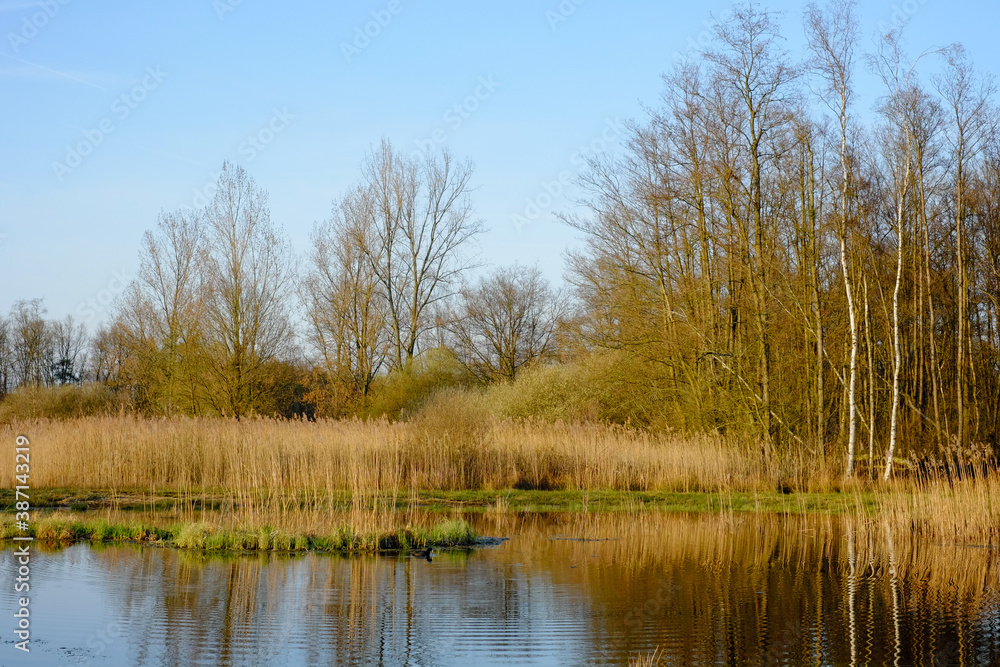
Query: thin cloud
[31,70]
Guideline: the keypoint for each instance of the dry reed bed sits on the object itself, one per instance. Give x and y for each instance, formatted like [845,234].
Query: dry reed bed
[284,462]
[279,456]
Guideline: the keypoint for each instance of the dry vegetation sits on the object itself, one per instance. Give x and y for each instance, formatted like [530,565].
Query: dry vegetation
[438,450]
[268,470]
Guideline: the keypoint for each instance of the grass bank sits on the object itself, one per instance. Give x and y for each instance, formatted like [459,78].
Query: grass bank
[69,528]
[506,500]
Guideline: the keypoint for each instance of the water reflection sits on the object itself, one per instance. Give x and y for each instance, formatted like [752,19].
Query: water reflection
[565,589]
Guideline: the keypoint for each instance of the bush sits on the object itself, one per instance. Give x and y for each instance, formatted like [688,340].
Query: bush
[63,402]
[604,387]
[403,392]
[453,416]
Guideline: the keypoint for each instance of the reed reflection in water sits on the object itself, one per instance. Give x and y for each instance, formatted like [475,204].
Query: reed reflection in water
[565,589]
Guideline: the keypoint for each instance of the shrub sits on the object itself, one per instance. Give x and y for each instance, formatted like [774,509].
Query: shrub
[605,387]
[403,392]
[63,402]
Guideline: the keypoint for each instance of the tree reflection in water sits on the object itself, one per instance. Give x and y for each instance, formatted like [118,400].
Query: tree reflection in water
[567,589]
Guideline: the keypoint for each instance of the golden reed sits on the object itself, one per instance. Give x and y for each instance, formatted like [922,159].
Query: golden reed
[184,453]
[298,461]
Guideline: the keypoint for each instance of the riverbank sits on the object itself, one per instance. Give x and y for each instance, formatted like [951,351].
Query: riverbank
[950,513]
[208,522]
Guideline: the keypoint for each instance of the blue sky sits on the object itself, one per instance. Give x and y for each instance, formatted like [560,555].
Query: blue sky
[159,94]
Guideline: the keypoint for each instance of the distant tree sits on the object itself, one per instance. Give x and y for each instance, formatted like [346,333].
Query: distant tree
[506,322]
[69,344]
[248,280]
[346,305]
[162,310]
[419,225]
[6,358]
[113,357]
[30,343]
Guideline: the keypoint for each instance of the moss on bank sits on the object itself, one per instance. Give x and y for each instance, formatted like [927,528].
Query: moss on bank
[60,527]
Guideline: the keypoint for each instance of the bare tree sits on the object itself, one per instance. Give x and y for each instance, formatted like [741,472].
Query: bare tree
[347,309]
[897,139]
[113,357]
[6,358]
[753,77]
[30,343]
[506,322]
[249,271]
[419,227]
[968,97]
[69,350]
[832,38]
[163,308]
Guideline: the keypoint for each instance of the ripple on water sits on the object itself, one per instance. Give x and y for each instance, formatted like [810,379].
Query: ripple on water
[702,590]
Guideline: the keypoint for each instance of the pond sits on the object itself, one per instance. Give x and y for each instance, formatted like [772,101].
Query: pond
[564,589]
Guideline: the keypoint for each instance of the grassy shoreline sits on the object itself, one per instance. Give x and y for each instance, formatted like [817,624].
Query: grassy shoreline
[68,528]
[507,500]
[66,516]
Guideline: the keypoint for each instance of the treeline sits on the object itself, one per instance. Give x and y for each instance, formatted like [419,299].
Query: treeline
[762,258]
[783,265]
[224,319]
[38,352]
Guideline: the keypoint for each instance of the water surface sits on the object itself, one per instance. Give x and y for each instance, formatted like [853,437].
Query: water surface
[564,589]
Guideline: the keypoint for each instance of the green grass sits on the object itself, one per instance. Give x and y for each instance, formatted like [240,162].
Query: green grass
[59,527]
[512,500]
[616,501]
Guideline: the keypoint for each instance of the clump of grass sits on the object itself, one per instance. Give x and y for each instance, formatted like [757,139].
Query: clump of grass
[58,528]
[647,659]
[192,536]
[449,533]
